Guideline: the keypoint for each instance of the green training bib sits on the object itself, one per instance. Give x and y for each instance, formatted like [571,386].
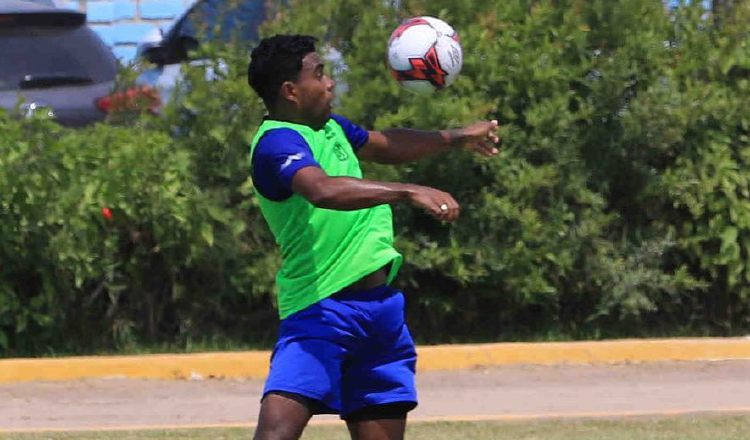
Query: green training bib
[325,250]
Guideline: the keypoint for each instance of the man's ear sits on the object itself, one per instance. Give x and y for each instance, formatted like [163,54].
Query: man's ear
[289,91]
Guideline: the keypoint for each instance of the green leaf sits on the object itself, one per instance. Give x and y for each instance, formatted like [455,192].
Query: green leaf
[207,233]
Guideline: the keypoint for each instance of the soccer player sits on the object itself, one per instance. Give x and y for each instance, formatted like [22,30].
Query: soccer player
[343,346]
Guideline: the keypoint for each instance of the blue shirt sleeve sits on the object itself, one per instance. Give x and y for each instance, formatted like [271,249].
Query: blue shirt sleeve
[279,154]
[356,135]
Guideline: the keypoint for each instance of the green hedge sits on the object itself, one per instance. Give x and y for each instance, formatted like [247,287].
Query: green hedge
[620,205]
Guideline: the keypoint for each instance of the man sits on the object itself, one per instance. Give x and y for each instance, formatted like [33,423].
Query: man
[343,346]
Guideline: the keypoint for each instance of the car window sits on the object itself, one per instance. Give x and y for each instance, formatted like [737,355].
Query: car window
[222,20]
[44,2]
[39,53]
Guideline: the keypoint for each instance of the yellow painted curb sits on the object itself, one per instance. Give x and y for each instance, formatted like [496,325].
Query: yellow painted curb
[251,364]
[254,364]
[452,357]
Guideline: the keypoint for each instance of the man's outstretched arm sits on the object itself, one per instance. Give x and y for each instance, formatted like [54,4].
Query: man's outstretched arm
[347,193]
[400,145]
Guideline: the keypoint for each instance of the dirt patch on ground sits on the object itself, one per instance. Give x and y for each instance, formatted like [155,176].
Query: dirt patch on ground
[521,391]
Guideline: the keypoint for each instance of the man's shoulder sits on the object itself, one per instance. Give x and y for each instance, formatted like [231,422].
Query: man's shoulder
[341,120]
[355,134]
[279,137]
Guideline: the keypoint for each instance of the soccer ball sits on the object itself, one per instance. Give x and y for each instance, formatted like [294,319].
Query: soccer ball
[424,55]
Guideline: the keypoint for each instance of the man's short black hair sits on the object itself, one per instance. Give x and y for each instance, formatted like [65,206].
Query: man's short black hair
[275,60]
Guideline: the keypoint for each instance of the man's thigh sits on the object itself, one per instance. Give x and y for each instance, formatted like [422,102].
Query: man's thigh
[282,417]
[382,422]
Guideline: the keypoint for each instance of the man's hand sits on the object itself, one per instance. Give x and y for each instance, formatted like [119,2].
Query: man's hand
[438,204]
[481,137]
[403,145]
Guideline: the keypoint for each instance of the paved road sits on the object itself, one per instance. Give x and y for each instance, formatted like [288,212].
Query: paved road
[492,393]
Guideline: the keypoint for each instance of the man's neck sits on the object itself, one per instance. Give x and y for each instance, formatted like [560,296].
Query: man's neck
[287,117]
[295,120]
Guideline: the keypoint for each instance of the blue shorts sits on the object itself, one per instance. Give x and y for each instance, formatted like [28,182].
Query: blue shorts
[347,352]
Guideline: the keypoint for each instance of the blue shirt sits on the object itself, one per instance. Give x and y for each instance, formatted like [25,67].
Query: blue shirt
[281,152]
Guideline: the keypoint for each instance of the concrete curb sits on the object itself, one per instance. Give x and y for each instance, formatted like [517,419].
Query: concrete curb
[254,364]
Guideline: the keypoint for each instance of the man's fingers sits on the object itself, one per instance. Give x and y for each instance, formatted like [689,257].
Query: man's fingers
[490,148]
[449,209]
[438,209]
[438,204]
[492,135]
[485,138]
[486,148]
[446,210]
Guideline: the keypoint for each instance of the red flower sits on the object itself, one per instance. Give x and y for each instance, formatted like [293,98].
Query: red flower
[107,214]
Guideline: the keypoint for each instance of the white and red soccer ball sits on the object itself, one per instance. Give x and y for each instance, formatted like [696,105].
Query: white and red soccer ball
[425,54]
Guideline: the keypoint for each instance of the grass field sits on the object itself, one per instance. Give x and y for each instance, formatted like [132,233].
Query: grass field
[664,428]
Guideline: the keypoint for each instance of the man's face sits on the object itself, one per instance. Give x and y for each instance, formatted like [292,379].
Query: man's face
[314,91]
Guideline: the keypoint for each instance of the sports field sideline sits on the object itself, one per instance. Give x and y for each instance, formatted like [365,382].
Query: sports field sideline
[254,364]
[674,389]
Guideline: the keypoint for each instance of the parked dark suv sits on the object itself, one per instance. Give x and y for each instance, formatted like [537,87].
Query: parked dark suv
[205,21]
[51,60]
[208,20]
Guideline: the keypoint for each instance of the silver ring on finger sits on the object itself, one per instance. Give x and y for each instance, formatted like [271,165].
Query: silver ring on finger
[443,207]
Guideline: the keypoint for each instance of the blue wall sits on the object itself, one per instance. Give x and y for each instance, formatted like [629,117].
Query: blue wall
[122,24]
